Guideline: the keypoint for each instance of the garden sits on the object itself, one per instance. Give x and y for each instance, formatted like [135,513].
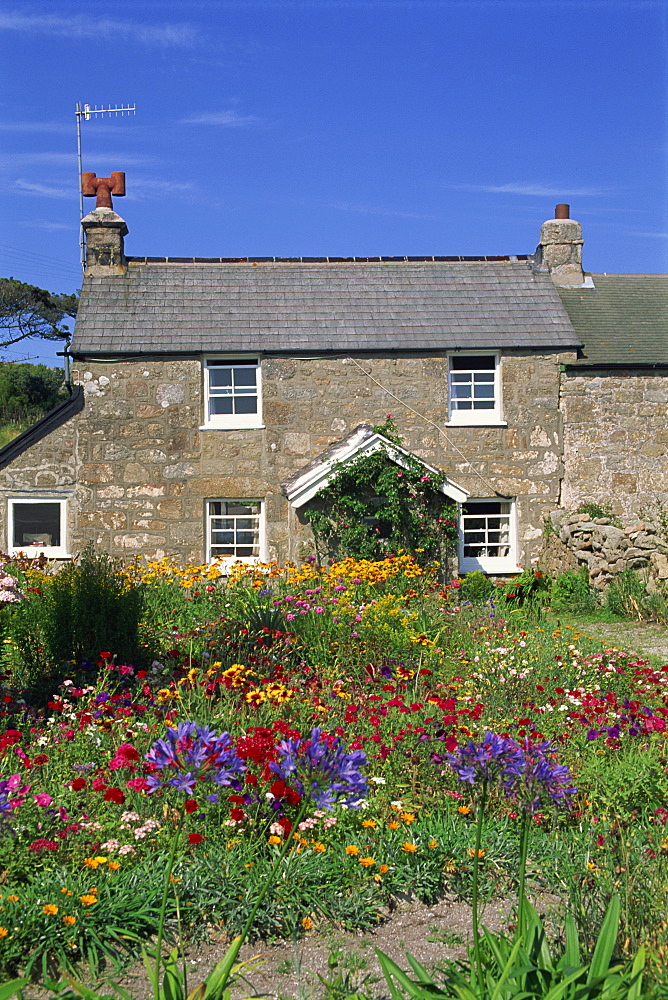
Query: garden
[264,754]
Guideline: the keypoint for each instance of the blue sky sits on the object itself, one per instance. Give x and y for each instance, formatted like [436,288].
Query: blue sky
[336,127]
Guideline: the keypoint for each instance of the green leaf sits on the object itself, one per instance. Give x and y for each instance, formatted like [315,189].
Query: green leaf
[607,939]
[635,990]
[12,988]
[571,954]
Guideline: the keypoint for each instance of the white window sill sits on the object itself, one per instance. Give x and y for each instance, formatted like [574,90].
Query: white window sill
[476,423]
[33,552]
[232,427]
[490,566]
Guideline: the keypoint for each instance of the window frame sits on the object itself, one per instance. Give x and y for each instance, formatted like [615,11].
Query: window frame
[231,421]
[228,561]
[50,551]
[466,418]
[490,564]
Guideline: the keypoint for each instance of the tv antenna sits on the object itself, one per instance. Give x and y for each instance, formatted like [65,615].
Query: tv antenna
[85,112]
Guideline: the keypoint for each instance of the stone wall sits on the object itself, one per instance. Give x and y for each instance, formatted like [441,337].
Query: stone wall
[575,540]
[136,465]
[615,440]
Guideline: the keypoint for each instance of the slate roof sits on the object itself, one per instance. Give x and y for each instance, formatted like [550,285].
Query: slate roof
[622,320]
[292,306]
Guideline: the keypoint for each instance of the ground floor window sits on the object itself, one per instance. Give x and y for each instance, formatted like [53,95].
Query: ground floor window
[234,530]
[37,526]
[487,537]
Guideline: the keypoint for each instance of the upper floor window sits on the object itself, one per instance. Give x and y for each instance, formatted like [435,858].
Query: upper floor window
[473,389]
[235,530]
[37,527]
[232,392]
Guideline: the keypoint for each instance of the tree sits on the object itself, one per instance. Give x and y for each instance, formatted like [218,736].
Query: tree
[28,311]
[27,391]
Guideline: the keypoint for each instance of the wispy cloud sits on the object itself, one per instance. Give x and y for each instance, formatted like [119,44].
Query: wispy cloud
[22,186]
[533,190]
[50,226]
[229,118]
[344,206]
[652,236]
[102,29]
[150,188]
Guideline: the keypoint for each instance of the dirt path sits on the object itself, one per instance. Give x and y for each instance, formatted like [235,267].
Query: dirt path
[638,637]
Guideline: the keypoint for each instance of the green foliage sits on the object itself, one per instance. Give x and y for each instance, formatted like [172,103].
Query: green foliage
[28,311]
[595,509]
[529,591]
[524,967]
[627,597]
[477,586]
[374,507]
[28,391]
[572,591]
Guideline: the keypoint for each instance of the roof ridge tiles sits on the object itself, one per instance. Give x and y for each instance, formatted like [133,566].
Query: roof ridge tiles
[426,259]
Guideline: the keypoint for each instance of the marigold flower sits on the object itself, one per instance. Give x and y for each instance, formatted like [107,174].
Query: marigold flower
[88,899]
[393,825]
[15,899]
[50,909]
[367,862]
[69,921]
[408,847]
[3,932]
[91,862]
[114,866]
[318,847]
[352,850]
[384,869]
[464,810]
[407,818]
[369,824]
[307,923]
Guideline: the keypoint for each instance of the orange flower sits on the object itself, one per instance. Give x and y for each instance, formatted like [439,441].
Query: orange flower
[88,899]
[464,810]
[352,850]
[471,852]
[408,847]
[393,825]
[274,839]
[318,847]
[369,824]
[15,899]
[3,932]
[367,862]
[384,869]
[114,866]
[307,923]
[408,818]
[433,844]
[69,921]
[50,910]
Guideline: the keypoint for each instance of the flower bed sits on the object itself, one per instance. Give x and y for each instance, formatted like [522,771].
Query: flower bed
[374,657]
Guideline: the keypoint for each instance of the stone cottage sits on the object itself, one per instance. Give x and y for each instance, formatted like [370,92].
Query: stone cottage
[211,398]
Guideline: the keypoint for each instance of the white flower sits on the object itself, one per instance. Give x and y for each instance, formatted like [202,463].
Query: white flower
[378,781]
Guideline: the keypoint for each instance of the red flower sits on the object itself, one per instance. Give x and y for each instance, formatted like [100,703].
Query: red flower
[137,784]
[141,674]
[43,845]
[237,814]
[195,838]
[286,824]
[99,784]
[191,805]
[114,795]
[78,784]
[105,656]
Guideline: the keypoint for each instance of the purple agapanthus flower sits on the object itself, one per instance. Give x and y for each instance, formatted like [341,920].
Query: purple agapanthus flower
[192,753]
[526,772]
[323,770]
[496,758]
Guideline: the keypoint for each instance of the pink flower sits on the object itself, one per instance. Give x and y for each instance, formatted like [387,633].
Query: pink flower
[43,799]
[319,610]
[137,784]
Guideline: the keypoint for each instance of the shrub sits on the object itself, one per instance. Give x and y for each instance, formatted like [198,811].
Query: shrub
[477,586]
[572,591]
[88,608]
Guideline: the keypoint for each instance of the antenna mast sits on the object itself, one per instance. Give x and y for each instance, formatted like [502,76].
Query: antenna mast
[85,112]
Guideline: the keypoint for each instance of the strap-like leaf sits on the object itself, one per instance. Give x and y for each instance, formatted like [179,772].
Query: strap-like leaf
[635,990]
[607,938]
[12,988]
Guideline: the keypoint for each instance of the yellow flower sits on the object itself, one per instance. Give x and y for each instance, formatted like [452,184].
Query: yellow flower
[592,867]
[275,840]
[50,909]
[408,847]
[88,899]
[69,921]
[367,862]
[307,923]
[384,869]
[3,932]
[91,862]
[408,818]
[393,825]
[450,866]
[352,850]
[369,824]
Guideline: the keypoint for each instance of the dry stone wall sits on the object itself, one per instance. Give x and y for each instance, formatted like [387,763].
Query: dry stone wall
[606,549]
[136,465]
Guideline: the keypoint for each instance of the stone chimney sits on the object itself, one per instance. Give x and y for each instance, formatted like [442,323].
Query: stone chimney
[560,248]
[104,230]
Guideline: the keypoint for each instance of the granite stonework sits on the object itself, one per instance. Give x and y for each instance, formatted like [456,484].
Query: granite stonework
[615,440]
[136,465]
[574,540]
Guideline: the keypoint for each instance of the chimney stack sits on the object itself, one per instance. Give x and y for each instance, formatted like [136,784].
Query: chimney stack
[560,248]
[104,230]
